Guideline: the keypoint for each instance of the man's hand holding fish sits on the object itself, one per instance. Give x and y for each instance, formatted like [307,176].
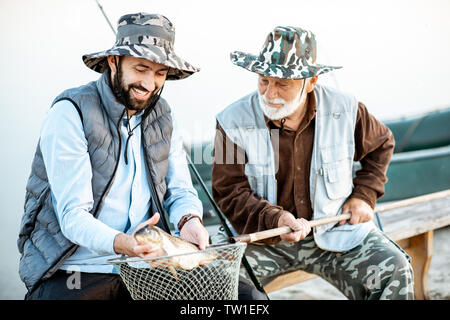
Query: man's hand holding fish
[126,244]
[193,231]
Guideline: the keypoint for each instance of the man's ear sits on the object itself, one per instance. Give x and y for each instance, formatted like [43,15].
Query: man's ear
[112,63]
[311,83]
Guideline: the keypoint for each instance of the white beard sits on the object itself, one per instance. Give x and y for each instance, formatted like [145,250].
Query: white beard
[285,110]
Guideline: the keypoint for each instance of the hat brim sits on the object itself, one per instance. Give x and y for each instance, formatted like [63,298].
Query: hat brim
[292,72]
[179,68]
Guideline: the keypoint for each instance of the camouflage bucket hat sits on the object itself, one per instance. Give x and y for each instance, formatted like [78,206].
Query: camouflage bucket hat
[288,53]
[148,36]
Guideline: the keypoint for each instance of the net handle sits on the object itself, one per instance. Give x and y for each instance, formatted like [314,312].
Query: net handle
[126,259]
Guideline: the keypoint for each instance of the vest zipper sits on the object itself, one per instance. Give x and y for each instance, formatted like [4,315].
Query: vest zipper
[315,150]
[319,172]
[108,186]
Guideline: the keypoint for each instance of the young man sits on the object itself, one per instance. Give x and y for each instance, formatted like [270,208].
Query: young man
[109,160]
[285,155]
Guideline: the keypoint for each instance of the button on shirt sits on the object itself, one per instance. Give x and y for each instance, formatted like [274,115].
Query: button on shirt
[65,152]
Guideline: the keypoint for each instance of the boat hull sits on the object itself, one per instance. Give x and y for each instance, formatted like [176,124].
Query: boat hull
[415,173]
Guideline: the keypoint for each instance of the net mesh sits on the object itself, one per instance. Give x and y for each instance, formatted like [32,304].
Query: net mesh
[155,279]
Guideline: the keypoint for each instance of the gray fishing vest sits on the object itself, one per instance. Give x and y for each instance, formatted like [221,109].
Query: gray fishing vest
[41,243]
[331,180]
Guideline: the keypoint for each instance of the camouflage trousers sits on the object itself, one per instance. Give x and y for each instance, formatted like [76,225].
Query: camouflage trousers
[377,269]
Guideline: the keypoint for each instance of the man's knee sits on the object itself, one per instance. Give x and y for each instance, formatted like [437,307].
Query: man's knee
[391,277]
[403,269]
[399,261]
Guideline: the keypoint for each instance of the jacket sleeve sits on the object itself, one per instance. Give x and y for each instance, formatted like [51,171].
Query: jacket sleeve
[245,210]
[374,147]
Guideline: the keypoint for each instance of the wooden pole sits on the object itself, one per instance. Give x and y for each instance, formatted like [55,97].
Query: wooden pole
[252,237]
[257,236]
[412,201]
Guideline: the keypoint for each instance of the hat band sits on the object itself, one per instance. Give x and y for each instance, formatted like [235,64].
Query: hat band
[133,30]
[146,41]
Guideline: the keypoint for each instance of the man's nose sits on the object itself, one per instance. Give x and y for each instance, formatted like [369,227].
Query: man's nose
[149,82]
[271,92]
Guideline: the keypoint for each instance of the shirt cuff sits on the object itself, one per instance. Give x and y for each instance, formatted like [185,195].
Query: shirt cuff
[108,246]
[271,218]
[366,194]
[176,217]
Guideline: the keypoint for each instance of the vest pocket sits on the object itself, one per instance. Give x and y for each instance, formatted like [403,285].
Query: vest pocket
[337,162]
[338,179]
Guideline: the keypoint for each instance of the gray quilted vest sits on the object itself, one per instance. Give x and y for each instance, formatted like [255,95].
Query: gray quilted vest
[41,243]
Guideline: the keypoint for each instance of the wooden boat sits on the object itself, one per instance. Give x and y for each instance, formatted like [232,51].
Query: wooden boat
[415,173]
[424,131]
[421,160]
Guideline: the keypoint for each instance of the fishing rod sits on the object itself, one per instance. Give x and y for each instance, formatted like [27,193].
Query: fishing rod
[106,17]
[225,223]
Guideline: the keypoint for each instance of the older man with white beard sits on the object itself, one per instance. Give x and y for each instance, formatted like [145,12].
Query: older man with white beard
[284,155]
[279,108]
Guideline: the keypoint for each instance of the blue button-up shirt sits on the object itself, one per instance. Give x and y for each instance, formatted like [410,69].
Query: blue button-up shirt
[66,158]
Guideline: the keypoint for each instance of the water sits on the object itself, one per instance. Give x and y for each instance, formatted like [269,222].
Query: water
[395,58]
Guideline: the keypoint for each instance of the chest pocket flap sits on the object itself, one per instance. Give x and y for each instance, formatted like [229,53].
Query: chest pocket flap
[337,169]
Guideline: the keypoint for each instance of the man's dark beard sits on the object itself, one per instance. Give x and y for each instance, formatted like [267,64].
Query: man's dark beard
[123,94]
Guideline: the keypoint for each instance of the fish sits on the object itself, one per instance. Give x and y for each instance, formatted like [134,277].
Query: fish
[168,245]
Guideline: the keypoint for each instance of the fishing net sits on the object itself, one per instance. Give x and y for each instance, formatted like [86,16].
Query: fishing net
[155,279]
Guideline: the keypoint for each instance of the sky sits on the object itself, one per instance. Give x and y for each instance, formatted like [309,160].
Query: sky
[394,56]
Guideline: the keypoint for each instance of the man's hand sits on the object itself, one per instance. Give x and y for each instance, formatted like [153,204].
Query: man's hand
[194,231]
[360,210]
[126,244]
[300,226]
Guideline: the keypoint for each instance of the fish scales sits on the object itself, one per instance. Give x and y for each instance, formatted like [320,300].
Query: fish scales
[168,245]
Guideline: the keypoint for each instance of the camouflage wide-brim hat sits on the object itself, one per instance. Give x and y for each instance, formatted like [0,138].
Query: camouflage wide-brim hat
[288,53]
[148,36]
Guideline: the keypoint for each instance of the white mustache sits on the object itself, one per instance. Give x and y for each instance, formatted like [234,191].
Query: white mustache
[286,109]
[274,100]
